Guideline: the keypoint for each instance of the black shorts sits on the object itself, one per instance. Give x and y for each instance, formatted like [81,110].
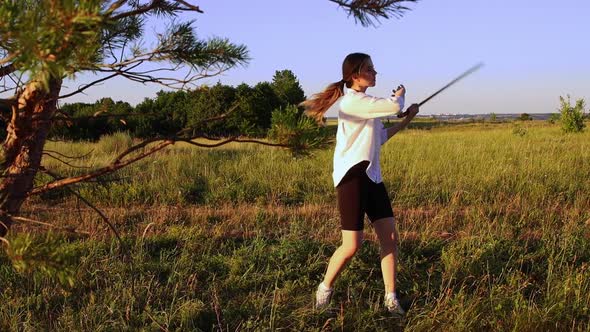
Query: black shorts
[357,195]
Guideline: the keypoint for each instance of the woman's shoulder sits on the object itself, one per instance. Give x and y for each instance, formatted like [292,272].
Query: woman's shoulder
[353,94]
[353,98]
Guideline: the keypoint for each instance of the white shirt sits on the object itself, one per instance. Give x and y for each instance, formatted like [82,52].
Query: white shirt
[360,132]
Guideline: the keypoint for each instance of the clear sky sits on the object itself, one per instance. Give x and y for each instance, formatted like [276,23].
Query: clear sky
[534,51]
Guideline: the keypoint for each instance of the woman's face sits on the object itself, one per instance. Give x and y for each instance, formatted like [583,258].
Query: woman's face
[367,75]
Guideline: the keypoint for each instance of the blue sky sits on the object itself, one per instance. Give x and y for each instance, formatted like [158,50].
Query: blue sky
[534,51]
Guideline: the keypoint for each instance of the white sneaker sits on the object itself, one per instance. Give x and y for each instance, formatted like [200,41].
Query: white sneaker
[392,304]
[323,296]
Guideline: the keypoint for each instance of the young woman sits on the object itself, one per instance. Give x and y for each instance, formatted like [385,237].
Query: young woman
[357,174]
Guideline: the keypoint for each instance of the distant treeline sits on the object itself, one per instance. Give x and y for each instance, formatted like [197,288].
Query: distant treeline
[170,112]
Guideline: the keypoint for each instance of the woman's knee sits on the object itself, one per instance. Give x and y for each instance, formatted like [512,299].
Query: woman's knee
[351,242]
[388,244]
[349,249]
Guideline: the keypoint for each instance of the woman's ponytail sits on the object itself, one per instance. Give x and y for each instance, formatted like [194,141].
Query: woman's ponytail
[317,106]
[321,102]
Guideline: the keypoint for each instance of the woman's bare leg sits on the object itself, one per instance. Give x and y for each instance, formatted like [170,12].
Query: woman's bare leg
[388,239]
[351,242]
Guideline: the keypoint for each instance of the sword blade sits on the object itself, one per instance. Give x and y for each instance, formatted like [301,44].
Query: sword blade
[467,72]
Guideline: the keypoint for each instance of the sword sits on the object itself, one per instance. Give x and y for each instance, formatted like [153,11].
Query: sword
[467,72]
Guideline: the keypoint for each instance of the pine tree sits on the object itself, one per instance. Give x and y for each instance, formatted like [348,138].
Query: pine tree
[43,42]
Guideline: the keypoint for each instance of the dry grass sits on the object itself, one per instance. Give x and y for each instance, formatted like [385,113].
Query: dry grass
[493,236]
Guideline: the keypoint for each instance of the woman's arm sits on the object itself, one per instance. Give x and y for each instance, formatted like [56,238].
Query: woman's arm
[412,111]
[362,106]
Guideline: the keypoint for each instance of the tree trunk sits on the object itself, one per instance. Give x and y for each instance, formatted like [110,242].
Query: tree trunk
[23,147]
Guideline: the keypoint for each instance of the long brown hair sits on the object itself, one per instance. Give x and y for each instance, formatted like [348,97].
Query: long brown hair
[319,103]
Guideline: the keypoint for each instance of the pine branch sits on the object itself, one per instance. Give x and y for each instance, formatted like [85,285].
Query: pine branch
[8,59]
[67,118]
[158,7]
[7,70]
[81,89]
[64,162]
[80,197]
[119,163]
[366,12]
[138,11]
[69,157]
[114,6]
[36,222]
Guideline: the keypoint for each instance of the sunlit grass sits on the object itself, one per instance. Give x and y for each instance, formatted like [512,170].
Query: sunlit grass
[493,222]
[464,165]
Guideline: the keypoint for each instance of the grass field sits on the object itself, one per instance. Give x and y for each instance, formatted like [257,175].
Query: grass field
[494,222]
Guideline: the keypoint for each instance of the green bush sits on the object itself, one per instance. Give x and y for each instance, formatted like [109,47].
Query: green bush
[290,127]
[572,117]
[525,117]
[518,130]
[554,118]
